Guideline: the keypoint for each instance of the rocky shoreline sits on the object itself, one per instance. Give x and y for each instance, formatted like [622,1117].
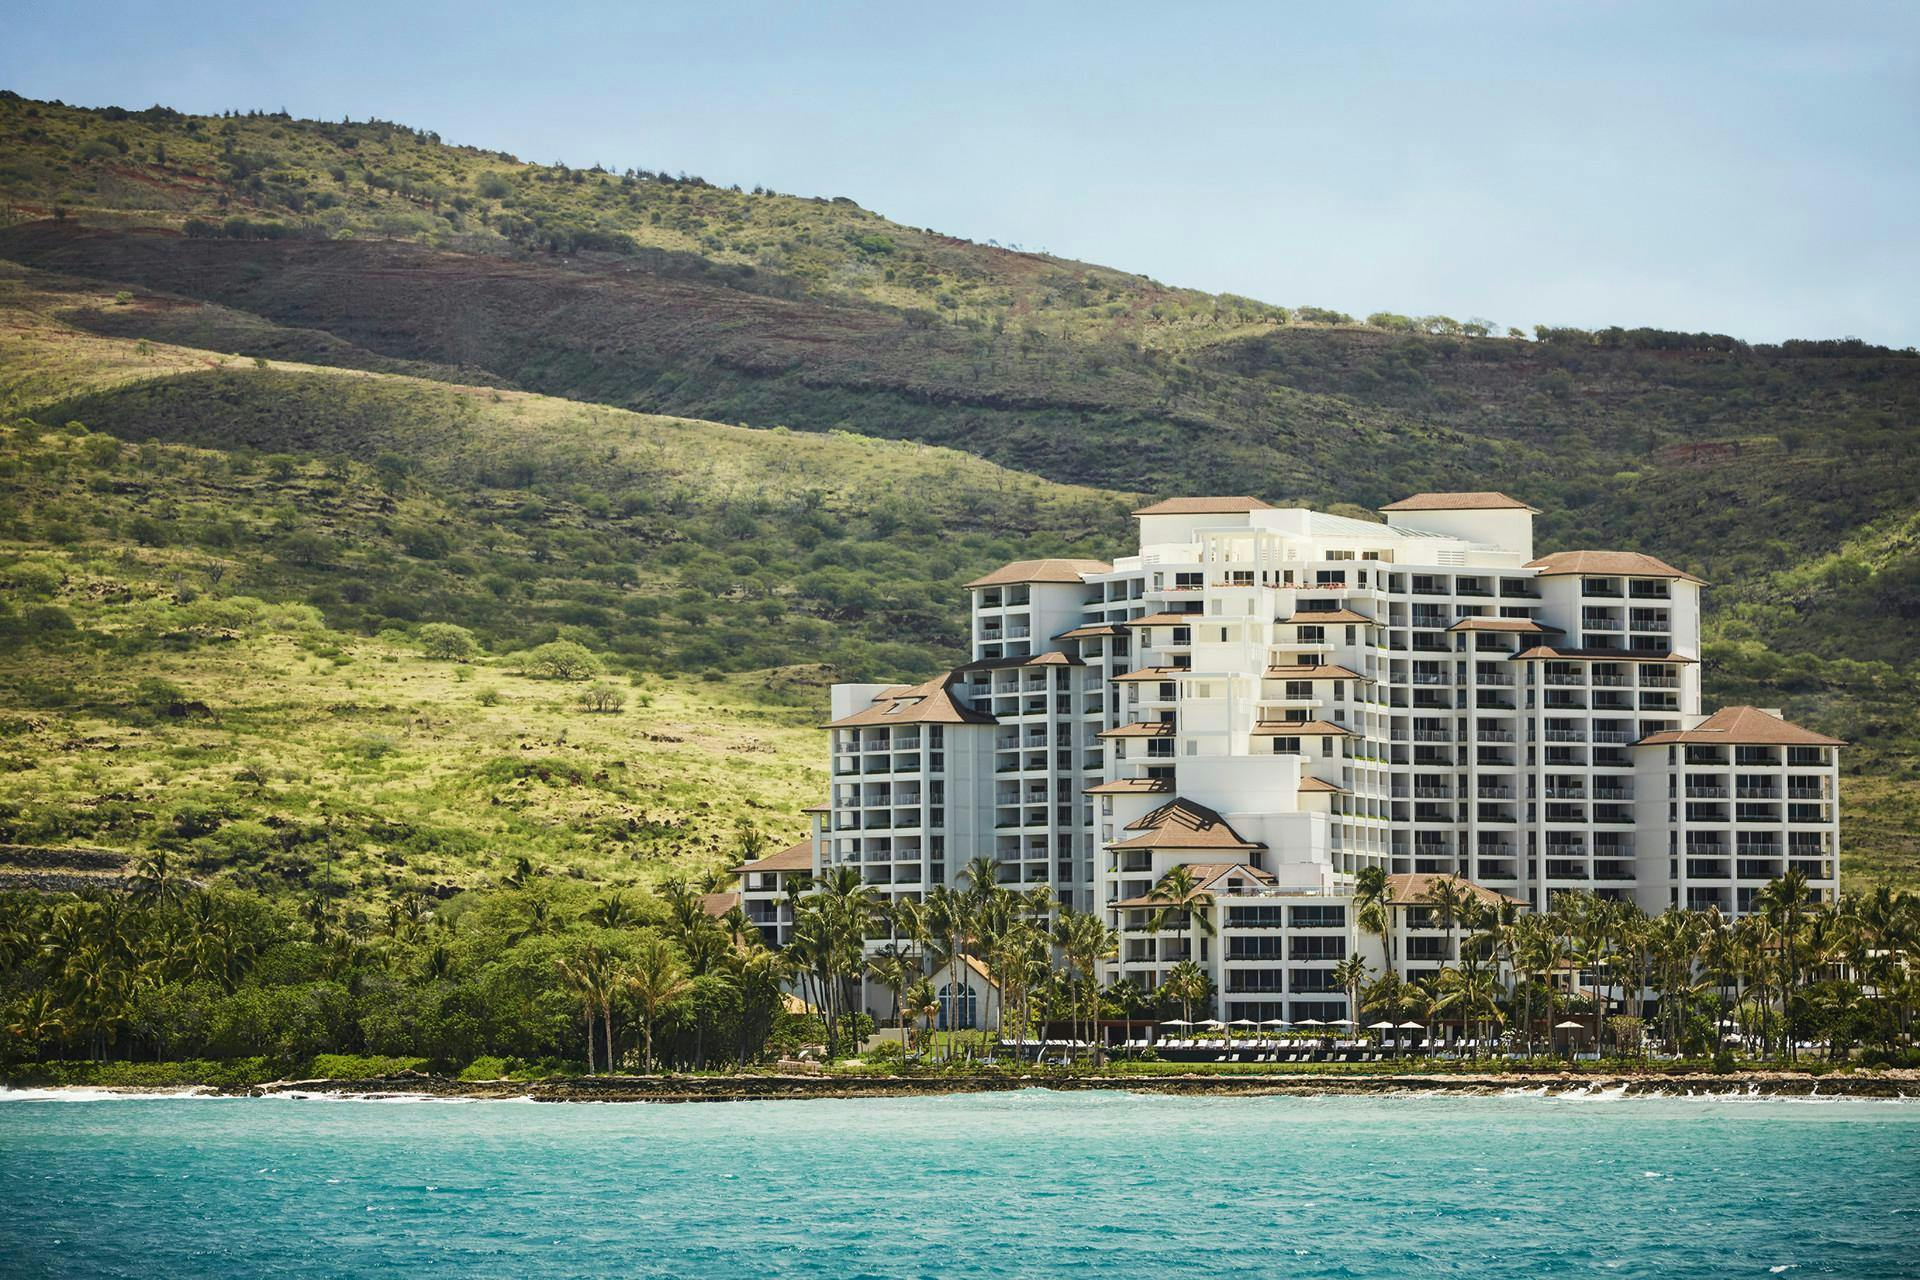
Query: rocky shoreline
[742,1088]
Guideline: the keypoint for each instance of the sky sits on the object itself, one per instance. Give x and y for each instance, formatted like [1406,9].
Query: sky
[1748,168]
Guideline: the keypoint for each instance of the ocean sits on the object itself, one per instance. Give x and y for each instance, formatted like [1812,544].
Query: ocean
[1034,1183]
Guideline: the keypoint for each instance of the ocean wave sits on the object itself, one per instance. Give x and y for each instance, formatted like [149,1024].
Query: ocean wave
[86,1093]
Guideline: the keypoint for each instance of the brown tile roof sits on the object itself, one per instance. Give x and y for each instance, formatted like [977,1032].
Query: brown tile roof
[1299,729]
[1147,675]
[818,808]
[1321,671]
[1409,890]
[1630,564]
[1183,824]
[1091,630]
[1550,653]
[979,966]
[1208,874]
[1130,787]
[1204,507]
[1479,500]
[1166,619]
[1057,570]
[1314,617]
[1744,726]
[1141,729]
[795,857]
[1318,786]
[1051,658]
[718,904]
[1518,626]
[929,703]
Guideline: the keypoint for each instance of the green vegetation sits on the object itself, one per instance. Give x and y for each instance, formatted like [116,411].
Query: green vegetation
[388,501]
[332,354]
[266,177]
[506,982]
[534,979]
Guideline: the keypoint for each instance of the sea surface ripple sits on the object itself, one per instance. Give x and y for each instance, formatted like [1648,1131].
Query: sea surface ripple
[992,1185]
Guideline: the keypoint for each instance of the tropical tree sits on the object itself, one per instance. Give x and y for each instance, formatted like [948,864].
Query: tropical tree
[1351,974]
[1373,908]
[1188,984]
[591,976]
[655,980]
[1181,901]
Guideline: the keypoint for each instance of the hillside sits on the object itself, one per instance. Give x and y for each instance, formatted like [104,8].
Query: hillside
[220,649]
[528,361]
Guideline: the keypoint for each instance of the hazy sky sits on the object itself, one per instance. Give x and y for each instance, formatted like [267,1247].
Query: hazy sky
[1751,168]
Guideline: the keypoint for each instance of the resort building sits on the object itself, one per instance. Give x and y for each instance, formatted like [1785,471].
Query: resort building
[1275,699]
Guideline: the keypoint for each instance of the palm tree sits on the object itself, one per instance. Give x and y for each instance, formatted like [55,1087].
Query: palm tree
[1351,975]
[895,969]
[949,920]
[591,977]
[156,880]
[1085,940]
[655,980]
[1591,921]
[614,911]
[1372,908]
[1447,899]
[37,1021]
[923,1003]
[1539,953]
[1182,899]
[1188,983]
[1783,902]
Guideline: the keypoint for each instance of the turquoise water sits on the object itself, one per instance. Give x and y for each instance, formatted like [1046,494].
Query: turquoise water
[1027,1184]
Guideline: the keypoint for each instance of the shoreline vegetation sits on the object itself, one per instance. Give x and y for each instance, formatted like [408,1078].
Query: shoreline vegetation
[1601,1079]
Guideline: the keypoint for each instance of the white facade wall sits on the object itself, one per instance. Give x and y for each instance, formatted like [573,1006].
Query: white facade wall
[1458,713]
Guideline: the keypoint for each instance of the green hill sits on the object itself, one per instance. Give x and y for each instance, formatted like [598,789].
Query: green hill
[404,309]
[226,649]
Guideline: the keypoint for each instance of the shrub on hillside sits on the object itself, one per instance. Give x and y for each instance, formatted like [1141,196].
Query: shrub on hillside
[602,697]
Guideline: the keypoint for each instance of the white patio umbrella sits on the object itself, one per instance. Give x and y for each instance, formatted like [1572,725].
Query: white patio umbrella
[1569,1025]
[1413,1026]
[1309,1022]
[1342,1022]
[1176,1022]
[1276,1022]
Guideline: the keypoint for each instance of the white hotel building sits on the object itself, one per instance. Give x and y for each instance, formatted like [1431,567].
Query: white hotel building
[1278,697]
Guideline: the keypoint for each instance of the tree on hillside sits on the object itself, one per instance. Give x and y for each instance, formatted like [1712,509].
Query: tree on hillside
[447,641]
[562,660]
